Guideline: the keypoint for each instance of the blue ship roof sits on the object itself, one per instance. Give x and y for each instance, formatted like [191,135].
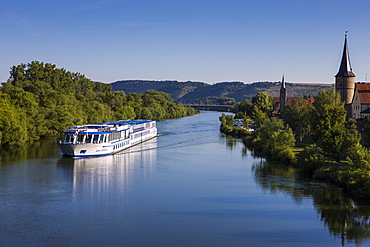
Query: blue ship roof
[104,125]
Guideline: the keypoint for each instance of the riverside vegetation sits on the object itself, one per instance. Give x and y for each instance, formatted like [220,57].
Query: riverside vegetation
[316,138]
[41,100]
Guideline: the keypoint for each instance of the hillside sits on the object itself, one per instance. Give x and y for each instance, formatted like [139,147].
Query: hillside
[200,92]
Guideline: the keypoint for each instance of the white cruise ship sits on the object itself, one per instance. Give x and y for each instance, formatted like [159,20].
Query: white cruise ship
[106,138]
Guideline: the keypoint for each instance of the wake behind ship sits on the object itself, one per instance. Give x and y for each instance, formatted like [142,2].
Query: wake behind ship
[106,138]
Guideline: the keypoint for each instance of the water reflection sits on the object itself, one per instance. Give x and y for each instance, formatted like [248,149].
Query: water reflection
[345,218]
[34,150]
[232,142]
[97,176]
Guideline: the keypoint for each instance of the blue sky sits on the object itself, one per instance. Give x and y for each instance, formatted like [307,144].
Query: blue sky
[199,40]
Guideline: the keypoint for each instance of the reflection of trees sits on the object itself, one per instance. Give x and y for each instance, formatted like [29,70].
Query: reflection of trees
[29,151]
[342,216]
[231,143]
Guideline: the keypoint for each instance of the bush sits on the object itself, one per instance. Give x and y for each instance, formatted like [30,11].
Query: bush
[283,154]
[310,159]
[359,156]
[357,182]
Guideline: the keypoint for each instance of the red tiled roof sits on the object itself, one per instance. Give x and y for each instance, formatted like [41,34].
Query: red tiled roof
[363,90]
[291,99]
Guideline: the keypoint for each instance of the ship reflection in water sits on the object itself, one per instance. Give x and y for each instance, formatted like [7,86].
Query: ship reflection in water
[96,176]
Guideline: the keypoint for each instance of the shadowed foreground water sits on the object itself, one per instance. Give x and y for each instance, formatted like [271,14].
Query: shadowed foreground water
[190,186]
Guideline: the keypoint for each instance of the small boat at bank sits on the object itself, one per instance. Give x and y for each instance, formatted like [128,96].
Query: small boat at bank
[106,138]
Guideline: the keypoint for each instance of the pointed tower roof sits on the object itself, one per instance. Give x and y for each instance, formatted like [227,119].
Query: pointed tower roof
[345,68]
[283,83]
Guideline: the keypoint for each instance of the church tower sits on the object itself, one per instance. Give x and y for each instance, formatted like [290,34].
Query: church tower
[282,96]
[345,78]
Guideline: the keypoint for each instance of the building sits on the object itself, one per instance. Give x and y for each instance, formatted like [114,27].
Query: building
[345,80]
[356,96]
[283,98]
[279,103]
[361,101]
[289,101]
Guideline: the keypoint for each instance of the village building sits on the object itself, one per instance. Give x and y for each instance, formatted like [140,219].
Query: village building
[289,101]
[361,101]
[345,80]
[283,98]
[356,96]
[279,103]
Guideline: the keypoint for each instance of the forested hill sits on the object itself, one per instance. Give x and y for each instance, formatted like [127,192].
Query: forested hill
[200,92]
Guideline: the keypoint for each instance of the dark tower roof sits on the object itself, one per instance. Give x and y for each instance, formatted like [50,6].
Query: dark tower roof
[283,83]
[345,68]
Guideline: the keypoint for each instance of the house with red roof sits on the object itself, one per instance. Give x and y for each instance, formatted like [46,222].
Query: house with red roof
[361,101]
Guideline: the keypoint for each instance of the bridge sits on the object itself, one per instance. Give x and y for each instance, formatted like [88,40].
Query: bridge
[209,107]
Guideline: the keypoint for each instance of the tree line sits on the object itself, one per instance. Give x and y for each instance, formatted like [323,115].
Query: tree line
[40,100]
[316,138]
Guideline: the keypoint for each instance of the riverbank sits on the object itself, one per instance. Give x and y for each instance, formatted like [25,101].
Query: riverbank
[275,141]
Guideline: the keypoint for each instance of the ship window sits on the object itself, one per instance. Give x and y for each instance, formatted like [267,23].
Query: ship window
[102,138]
[67,138]
[80,138]
[88,138]
[96,139]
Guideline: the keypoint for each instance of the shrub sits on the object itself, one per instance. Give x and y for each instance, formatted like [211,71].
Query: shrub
[310,159]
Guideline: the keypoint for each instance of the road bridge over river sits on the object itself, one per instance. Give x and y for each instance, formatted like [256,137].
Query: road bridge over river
[210,107]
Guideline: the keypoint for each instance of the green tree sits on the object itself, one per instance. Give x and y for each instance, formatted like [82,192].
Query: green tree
[226,101]
[366,132]
[310,159]
[245,107]
[146,113]
[40,99]
[263,102]
[273,140]
[332,142]
[125,112]
[359,157]
[328,111]
[339,139]
[13,124]
[297,116]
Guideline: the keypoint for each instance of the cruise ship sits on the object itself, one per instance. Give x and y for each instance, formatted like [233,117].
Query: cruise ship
[106,138]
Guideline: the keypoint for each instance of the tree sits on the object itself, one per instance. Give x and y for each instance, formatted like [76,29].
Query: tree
[332,142]
[41,100]
[297,116]
[13,124]
[226,101]
[273,139]
[366,132]
[263,102]
[245,107]
[328,111]
[359,157]
[339,139]
[310,159]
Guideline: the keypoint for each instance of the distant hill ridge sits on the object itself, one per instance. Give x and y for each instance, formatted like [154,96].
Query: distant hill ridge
[202,93]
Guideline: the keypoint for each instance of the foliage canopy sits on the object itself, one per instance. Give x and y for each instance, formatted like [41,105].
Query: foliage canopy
[40,99]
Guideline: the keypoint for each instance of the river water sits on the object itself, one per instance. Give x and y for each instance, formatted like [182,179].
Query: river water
[190,186]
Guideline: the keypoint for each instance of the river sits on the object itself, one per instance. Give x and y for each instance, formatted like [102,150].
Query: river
[190,186]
